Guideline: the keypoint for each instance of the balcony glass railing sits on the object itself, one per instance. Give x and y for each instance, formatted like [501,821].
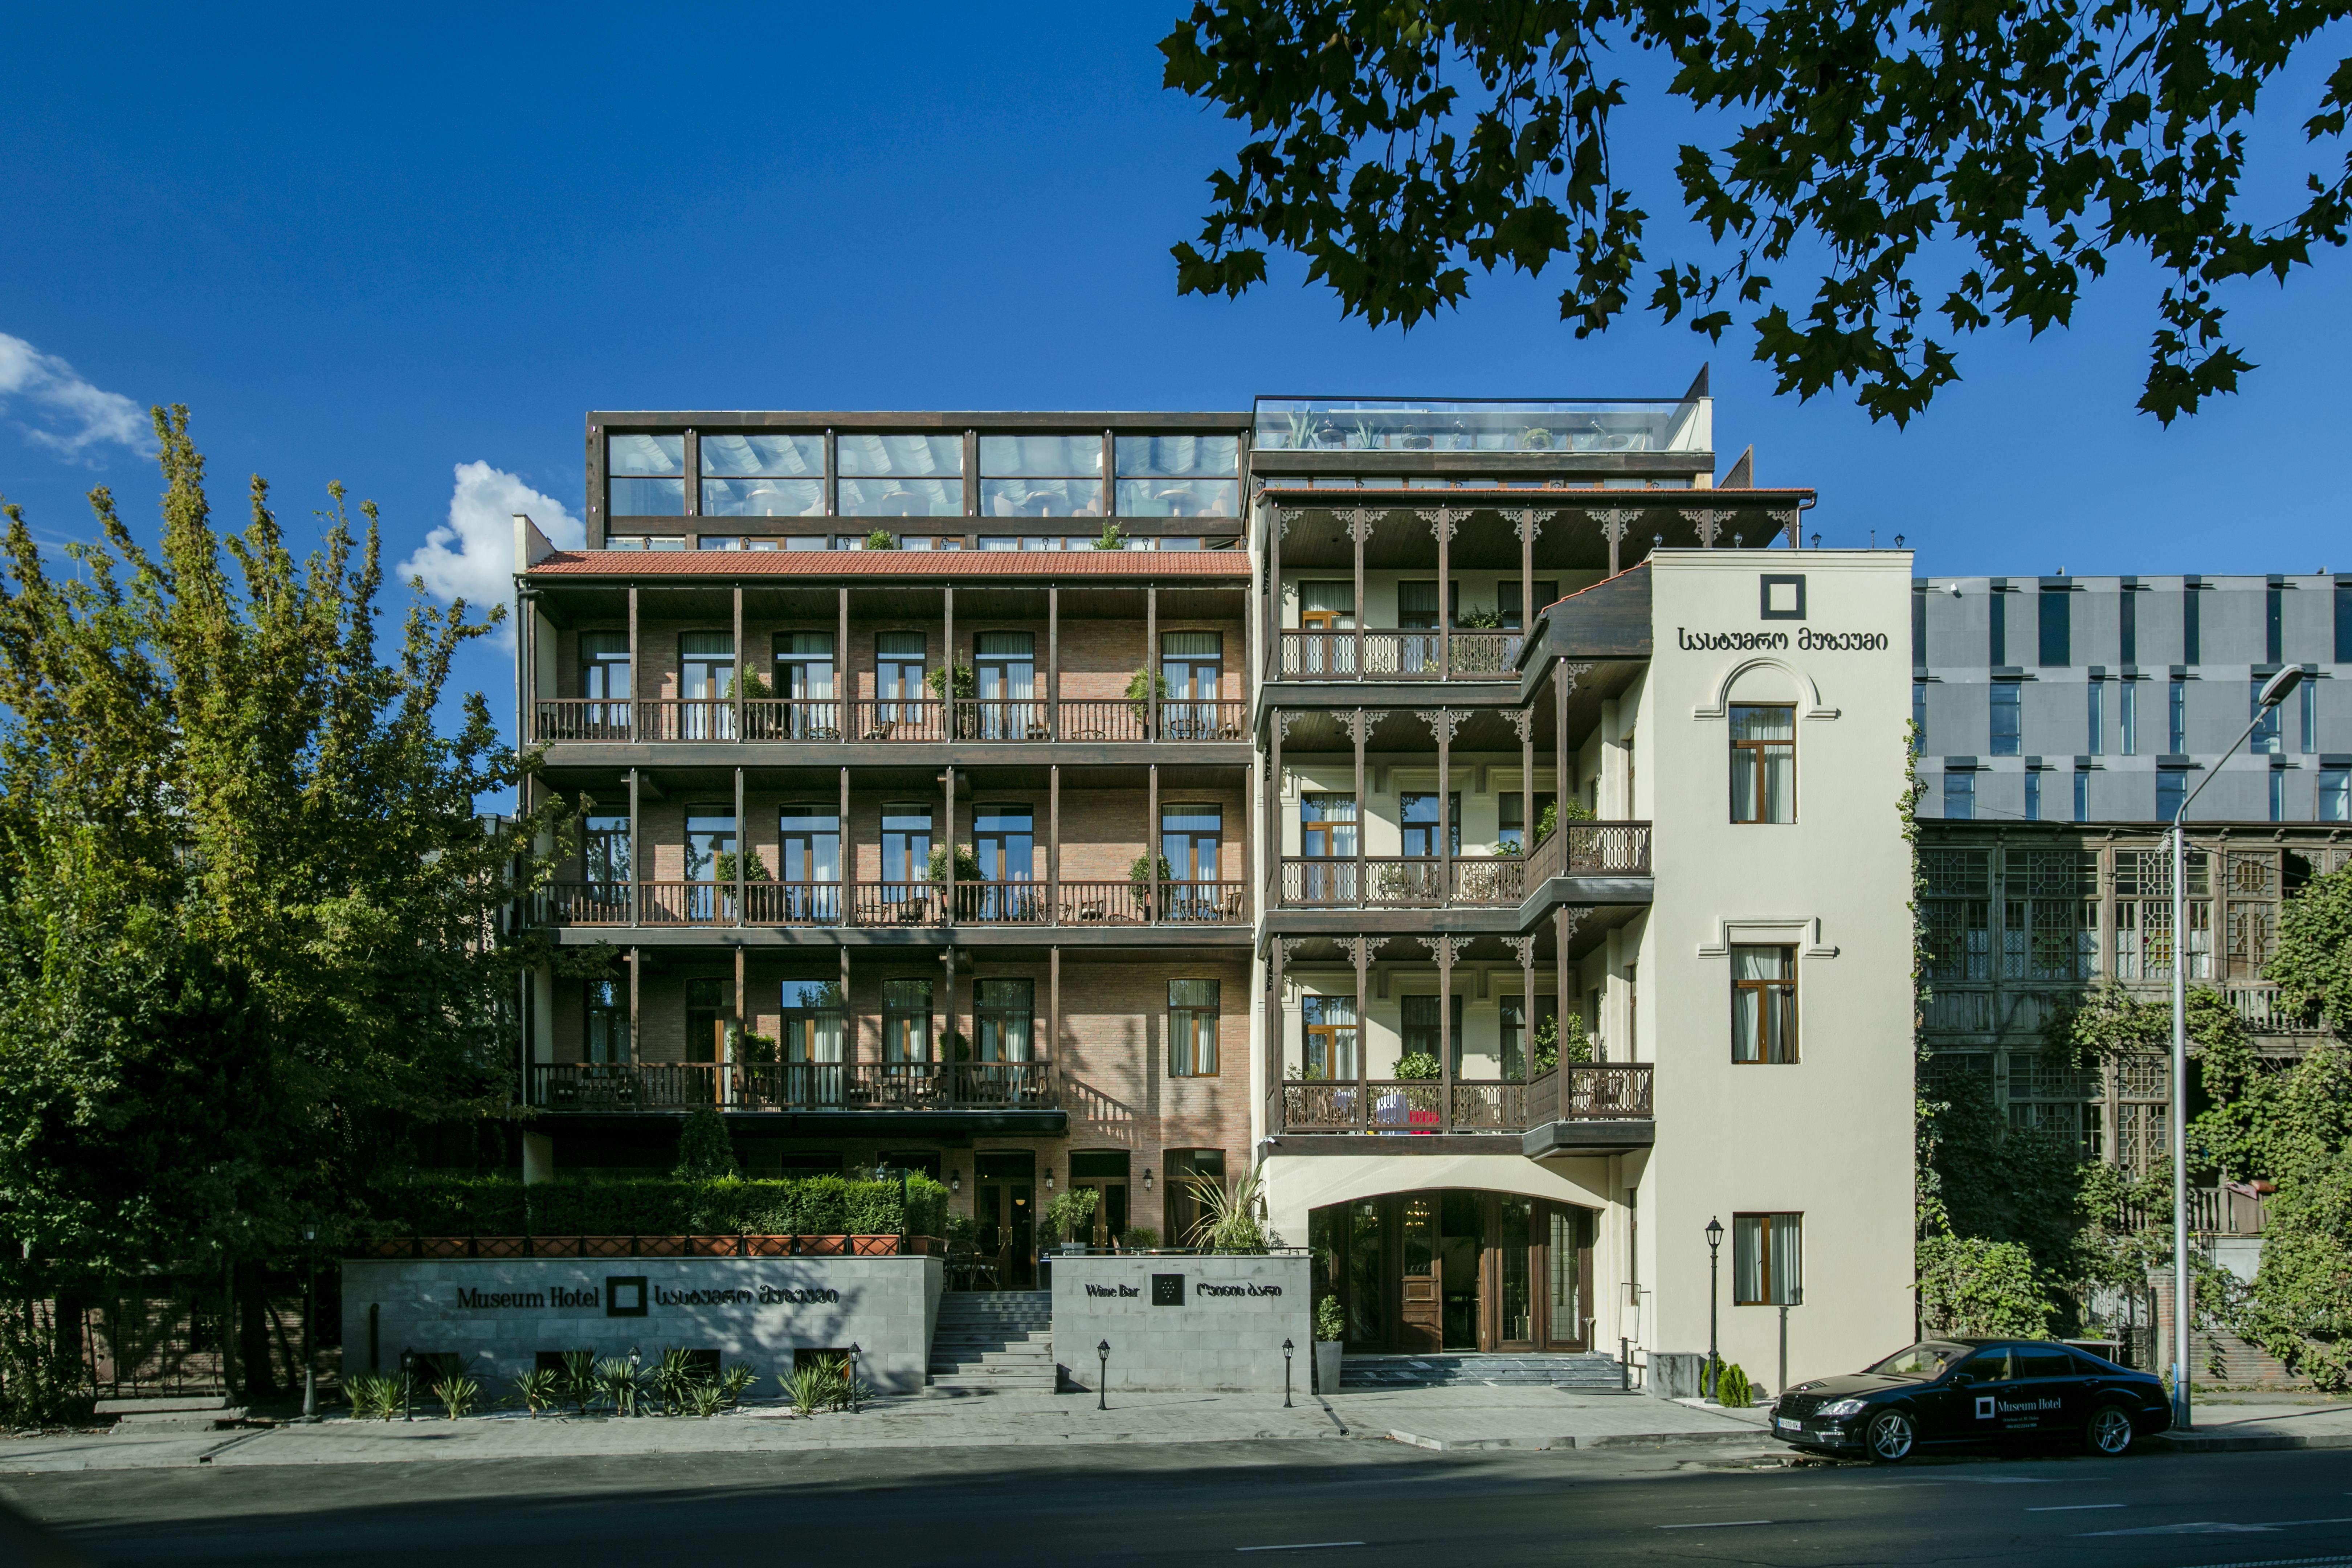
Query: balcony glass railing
[1532,429]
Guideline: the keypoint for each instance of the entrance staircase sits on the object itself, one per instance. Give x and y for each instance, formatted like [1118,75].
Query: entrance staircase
[1582,1373]
[994,1341]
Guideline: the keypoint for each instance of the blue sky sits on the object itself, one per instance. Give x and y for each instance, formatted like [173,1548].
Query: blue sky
[409,249]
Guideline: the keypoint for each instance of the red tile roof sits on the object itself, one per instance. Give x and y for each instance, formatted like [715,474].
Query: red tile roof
[829,564]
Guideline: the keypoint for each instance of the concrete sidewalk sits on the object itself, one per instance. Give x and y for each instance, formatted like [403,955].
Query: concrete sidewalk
[1443,1418]
[2244,1422]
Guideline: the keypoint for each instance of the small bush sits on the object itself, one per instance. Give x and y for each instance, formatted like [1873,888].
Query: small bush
[674,1377]
[457,1394]
[538,1390]
[706,1399]
[577,1382]
[881,539]
[1140,1238]
[1071,1215]
[1418,1065]
[617,1381]
[661,1205]
[736,1382]
[1330,1322]
[1730,1387]
[809,1388]
[372,1398]
[705,1152]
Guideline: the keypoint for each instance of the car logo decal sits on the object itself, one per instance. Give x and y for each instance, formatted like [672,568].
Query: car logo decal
[1984,1407]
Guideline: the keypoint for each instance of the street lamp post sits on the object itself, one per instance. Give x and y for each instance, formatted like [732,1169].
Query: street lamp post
[2273,692]
[1714,1274]
[1286,1349]
[309,1321]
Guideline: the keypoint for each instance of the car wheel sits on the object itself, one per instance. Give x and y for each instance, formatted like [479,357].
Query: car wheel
[2110,1431]
[1890,1437]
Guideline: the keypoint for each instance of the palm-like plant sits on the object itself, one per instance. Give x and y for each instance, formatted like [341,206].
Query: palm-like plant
[1229,1216]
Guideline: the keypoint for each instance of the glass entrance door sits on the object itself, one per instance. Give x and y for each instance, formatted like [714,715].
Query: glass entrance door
[1459,1270]
[1004,1206]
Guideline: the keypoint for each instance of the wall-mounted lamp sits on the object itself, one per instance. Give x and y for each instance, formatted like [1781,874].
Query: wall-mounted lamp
[1147,1178]
[955,1181]
[1817,542]
[1049,1178]
[1898,541]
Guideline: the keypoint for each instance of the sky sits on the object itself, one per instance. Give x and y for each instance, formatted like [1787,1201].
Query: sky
[409,249]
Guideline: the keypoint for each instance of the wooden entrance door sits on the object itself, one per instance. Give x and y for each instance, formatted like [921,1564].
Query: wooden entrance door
[1420,1306]
[1006,1213]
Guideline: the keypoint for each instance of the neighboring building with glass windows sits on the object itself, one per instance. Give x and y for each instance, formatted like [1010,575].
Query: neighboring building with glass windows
[1399,751]
[2108,699]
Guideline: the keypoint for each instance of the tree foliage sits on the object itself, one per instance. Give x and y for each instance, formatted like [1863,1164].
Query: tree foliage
[1938,169]
[2312,964]
[247,904]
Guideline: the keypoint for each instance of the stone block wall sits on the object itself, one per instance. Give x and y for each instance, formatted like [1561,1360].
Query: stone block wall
[1183,1321]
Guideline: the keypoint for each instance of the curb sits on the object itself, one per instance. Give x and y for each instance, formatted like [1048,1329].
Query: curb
[2249,1442]
[1595,1440]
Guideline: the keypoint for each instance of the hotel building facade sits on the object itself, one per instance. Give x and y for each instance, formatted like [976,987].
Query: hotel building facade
[1477,819]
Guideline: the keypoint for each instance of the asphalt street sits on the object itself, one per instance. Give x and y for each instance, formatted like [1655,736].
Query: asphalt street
[1346,1504]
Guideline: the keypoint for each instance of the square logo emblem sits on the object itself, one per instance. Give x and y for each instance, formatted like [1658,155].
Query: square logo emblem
[1984,1408]
[624,1295]
[1784,596]
[1167,1289]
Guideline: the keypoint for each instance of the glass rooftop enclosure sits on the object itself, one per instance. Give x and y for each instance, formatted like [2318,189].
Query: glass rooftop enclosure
[1483,424]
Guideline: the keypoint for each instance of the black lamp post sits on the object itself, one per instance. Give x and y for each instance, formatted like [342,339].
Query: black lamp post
[632,1382]
[310,1319]
[853,1376]
[408,1380]
[1286,1349]
[1102,1374]
[1713,1275]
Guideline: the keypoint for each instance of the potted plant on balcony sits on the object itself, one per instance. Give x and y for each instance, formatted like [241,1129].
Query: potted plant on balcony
[1330,1329]
[1112,537]
[1139,873]
[1556,1043]
[1478,620]
[881,539]
[1141,688]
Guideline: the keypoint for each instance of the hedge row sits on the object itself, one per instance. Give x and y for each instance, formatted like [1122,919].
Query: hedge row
[662,1206]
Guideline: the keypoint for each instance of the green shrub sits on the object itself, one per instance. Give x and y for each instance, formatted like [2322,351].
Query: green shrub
[736,1382]
[660,1205]
[705,1152]
[707,1399]
[674,1378]
[457,1394]
[1731,1386]
[1071,1215]
[1140,1238]
[881,539]
[577,1382]
[538,1389]
[619,1382]
[809,1388]
[1330,1322]
[1417,1065]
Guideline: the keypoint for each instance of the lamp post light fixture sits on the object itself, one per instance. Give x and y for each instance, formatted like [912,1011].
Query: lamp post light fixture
[310,1319]
[1049,1178]
[1102,1374]
[1286,1349]
[1147,1178]
[632,1382]
[955,1181]
[1713,1275]
[407,1381]
[853,1348]
[2275,691]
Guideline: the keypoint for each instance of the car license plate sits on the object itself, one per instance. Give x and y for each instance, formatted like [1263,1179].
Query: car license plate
[1783,1424]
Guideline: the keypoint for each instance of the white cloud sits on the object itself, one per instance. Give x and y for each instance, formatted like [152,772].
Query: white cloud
[471,557]
[58,409]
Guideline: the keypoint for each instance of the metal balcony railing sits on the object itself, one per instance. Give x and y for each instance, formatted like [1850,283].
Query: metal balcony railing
[825,720]
[1318,655]
[795,1086]
[883,904]
[1585,1092]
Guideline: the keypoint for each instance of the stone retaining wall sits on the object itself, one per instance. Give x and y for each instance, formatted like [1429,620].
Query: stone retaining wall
[1184,1322]
[498,1313]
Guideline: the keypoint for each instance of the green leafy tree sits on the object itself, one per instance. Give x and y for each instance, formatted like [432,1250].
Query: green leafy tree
[1886,178]
[247,908]
[2313,965]
[705,1152]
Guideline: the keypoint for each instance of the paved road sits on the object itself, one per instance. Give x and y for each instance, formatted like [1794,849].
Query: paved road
[1356,1504]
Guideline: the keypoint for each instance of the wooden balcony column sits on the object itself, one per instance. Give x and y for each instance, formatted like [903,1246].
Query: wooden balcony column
[743,834]
[1151,661]
[1054,662]
[734,1053]
[1276,720]
[844,687]
[1563,927]
[1442,522]
[1444,948]
[1053,1017]
[1360,729]
[1525,946]
[950,777]
[742,667]
[1158,909]
[1276,521]
[1614,521]
[1442,722]
[1054,847]
[1359,949]
[849,1014]
[636,663]
[1528,522]
[1523,719]
[947,1019]
[1360,522]
[636,964]
[637,848]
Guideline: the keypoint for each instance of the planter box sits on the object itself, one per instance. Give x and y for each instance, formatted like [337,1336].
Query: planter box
[1327,1366]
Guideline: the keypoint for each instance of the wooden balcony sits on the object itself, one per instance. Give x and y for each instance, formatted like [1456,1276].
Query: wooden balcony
[912,721]
[877,905]
[1603,1092]
[1400,656]
[1477,882]
[858,1087]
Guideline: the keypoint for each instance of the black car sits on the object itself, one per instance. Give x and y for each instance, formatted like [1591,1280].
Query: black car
[1941,1393]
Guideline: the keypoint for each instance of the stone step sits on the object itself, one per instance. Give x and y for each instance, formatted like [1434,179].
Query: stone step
[163,1405]
[179,1420]
[1593,1373]
[974,1382]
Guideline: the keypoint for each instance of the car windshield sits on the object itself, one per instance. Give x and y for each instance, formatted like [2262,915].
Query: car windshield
[1928,1359]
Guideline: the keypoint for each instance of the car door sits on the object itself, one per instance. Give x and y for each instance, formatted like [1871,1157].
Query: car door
[1980,1400]
[2050,1383]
